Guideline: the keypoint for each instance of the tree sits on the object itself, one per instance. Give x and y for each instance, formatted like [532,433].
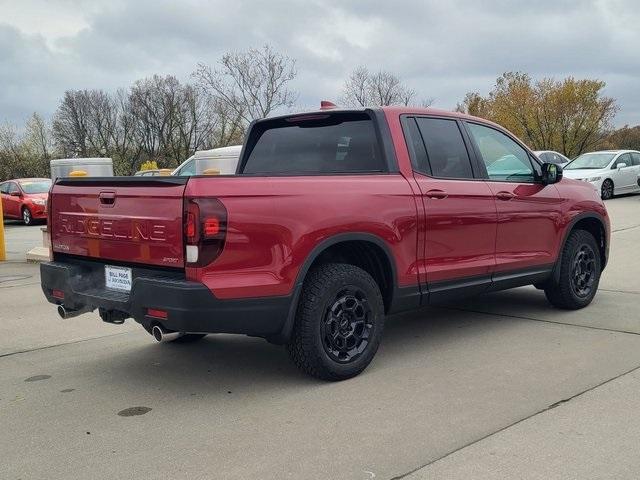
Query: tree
[622,138]
[252,84]
[364,89]
[571,116]
[26,154]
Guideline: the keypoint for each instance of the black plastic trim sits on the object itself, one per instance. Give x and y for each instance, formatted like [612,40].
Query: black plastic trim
[447,290]
[190,306]
[115,181]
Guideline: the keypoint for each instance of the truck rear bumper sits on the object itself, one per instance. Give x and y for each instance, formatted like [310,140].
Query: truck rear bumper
[189,306]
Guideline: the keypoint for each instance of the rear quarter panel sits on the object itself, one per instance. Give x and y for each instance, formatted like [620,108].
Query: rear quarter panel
[274,223]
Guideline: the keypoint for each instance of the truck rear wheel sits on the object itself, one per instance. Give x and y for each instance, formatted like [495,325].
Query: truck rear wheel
[579,274]
[339,322]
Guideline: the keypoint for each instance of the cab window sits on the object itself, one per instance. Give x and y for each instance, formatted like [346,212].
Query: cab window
[446,153]
[504,159]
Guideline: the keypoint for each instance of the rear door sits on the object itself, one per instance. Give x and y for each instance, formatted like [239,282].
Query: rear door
[460,209]
[127,220]
[529,213]
[625,177]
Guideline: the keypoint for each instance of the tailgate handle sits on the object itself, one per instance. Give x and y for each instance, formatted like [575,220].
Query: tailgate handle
[107,198]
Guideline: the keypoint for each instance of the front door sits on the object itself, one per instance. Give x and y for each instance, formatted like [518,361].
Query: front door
[12,201]
[459,248]
[529,213]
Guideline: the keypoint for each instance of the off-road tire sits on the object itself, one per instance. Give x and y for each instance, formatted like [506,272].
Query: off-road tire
[565,292]
[310,346]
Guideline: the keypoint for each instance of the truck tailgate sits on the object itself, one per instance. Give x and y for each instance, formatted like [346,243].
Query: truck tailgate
[122,219]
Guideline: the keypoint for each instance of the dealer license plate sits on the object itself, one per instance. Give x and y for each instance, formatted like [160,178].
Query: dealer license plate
[117,278]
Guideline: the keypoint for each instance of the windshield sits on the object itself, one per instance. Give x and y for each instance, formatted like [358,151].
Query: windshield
[591,161]
[40,186]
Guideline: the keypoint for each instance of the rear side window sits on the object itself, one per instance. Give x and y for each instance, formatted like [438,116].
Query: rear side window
[446,152]
[13,187]
[4,188]
[636,158]
[315,144]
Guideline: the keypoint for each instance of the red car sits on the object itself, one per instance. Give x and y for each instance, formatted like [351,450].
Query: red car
[334,220]
[25,199]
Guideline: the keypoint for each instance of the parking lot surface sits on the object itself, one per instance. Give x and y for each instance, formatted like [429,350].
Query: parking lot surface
[499,386]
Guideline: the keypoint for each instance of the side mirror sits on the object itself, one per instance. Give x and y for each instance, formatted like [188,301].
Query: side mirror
[621,165]
[551,173]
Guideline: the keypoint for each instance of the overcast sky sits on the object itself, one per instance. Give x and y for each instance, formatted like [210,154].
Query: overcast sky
[442,48]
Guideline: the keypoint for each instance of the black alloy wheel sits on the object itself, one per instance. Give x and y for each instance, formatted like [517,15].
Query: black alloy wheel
[347,326]
[583,270]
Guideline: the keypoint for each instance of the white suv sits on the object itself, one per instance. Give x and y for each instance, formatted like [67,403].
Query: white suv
[612,172]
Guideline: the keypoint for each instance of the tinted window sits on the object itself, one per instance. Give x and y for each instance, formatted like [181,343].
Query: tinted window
[13,187]
[504,158]
[4,188]
[545,157]
[338,143]
[636,158]
[446,152]
[415,144]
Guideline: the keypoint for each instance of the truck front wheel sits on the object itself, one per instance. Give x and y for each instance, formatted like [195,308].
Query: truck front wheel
[339,322]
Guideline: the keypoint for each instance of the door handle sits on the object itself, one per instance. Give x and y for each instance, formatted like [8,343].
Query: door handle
[436,194]
[504,196]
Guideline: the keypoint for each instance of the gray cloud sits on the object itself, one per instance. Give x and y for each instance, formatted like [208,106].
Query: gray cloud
[442,49]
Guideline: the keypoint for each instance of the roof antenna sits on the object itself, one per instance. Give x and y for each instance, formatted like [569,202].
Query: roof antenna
[327,105]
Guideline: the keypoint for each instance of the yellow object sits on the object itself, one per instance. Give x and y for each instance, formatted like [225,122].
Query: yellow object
[78,173]
[164,172]
[2,249]
[211,171]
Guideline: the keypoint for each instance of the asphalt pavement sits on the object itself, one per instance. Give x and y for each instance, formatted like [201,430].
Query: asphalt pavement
[499,386]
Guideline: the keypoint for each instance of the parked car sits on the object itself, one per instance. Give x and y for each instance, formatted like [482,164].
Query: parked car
[335,219]
[25,199]
[218,161]
[154,172]
[550,156]
[611,172]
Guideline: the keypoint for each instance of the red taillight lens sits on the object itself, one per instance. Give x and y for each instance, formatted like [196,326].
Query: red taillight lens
[59,294]
[205,228]
[191,225]
[211,227]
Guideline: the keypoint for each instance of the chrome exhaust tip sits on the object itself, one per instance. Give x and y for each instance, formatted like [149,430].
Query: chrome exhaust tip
[162,336]
[65,312]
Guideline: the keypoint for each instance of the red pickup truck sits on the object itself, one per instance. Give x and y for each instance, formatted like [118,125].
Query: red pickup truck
[334,220]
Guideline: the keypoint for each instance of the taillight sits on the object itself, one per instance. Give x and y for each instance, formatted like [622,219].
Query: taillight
[205,228]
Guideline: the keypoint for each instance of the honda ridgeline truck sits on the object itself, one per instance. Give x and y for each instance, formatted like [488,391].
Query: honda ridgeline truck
[334,220]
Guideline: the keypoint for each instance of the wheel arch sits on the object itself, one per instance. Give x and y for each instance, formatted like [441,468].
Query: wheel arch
[365,250]
[592,223]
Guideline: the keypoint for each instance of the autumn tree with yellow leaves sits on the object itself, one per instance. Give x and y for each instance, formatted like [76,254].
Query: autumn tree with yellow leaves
[570,116]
